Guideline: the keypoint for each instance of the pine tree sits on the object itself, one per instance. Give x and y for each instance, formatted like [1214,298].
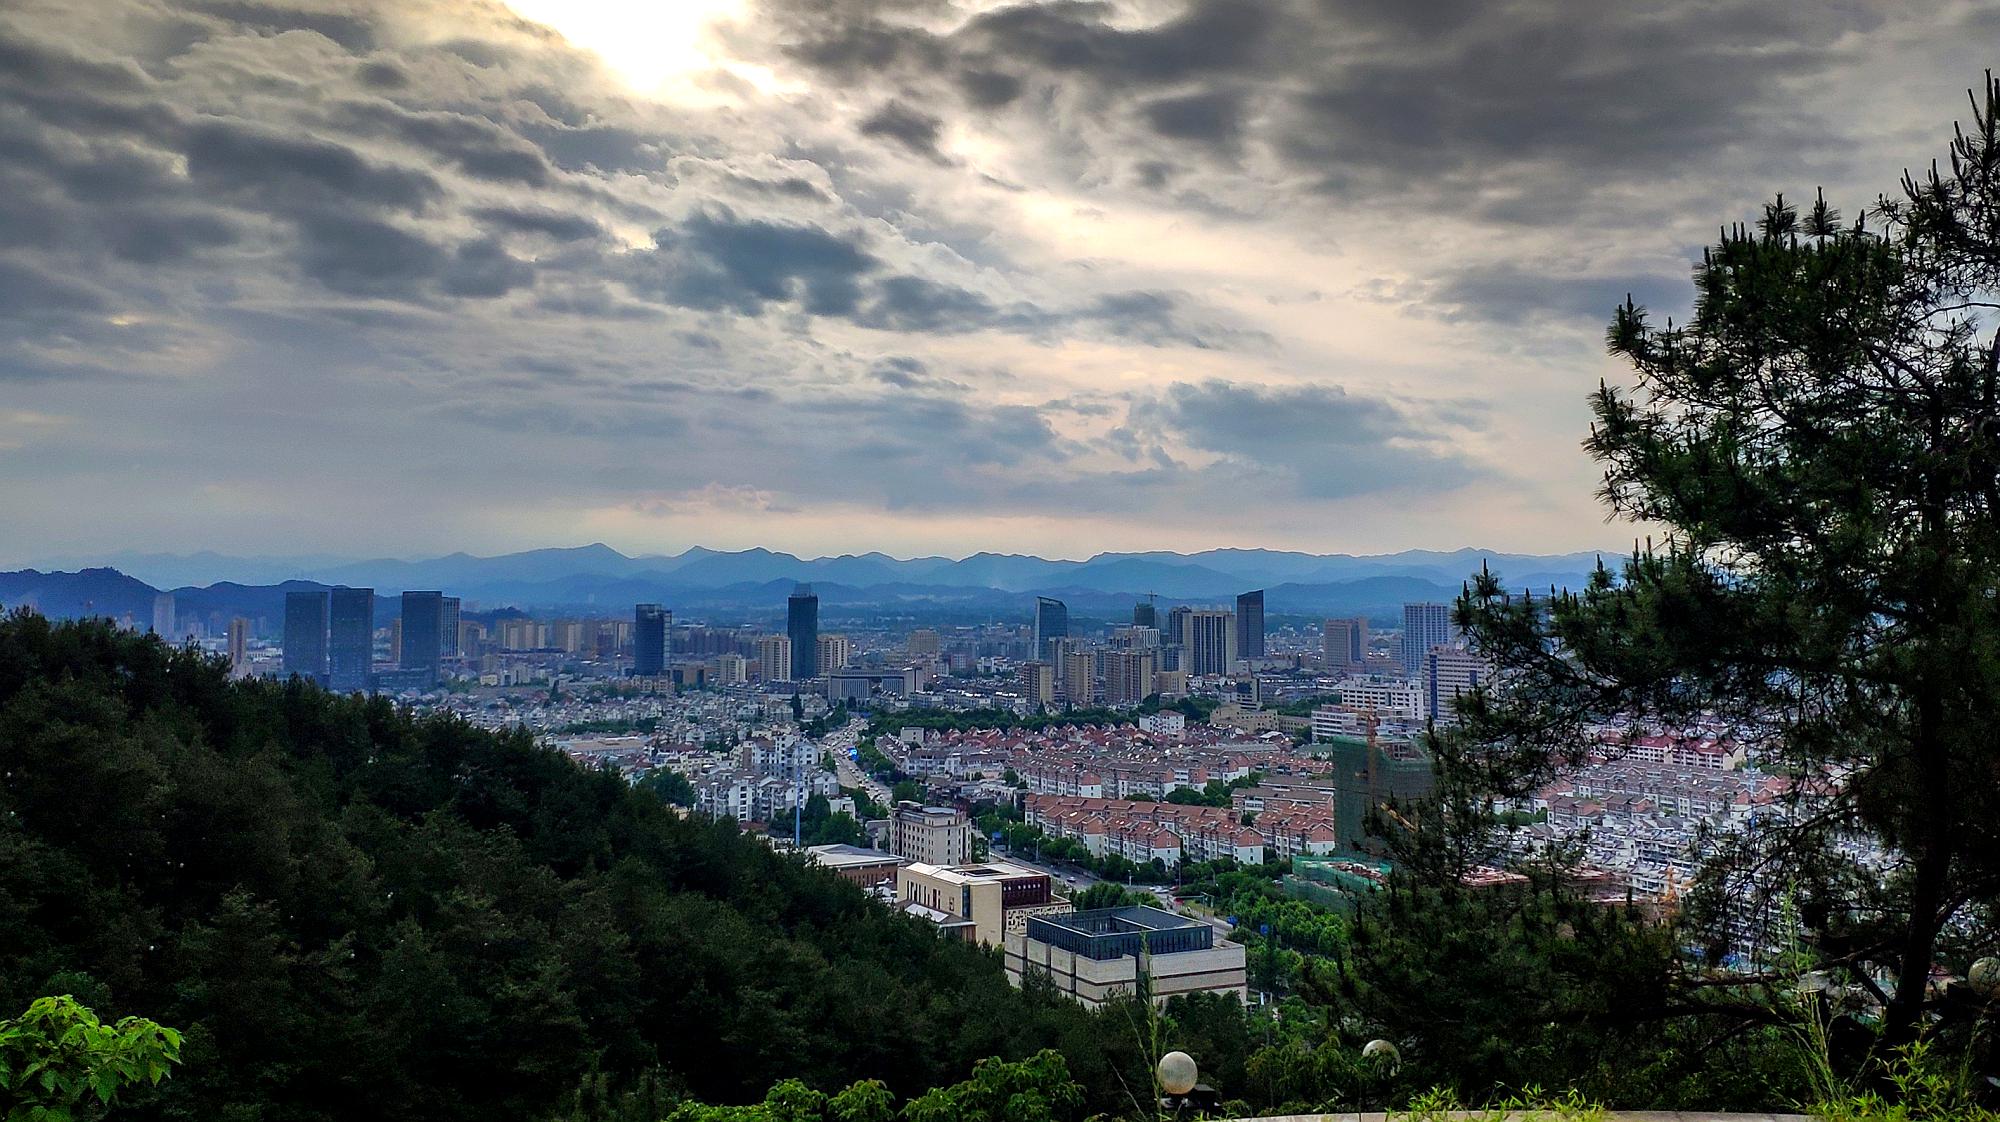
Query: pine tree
[1821,445]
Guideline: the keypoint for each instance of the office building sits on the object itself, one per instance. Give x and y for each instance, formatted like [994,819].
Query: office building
[932,835]
[449,643]
[1250,625]
[774,658]
[1079,676]
[1173,637]
[802,628]
[650,624]
[1344,645]
[923,643]
[350,639]
[976,903]
[420,641]
[1208,643]
[305,635]
[1425,626]
[1096,956]
[239,644]
[1145,614]
[1038,681]
[835,652]
[1051,624]
[1128,675]
[1449,672]
[163,616]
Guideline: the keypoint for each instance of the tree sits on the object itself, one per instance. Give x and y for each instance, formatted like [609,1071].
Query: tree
[1105,894]
[59,1062]
[670,785]
[1821,443]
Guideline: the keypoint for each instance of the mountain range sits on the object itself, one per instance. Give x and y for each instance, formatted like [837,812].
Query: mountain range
[755,581]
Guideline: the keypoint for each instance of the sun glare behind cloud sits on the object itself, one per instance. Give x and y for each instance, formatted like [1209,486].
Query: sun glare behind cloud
[658,47]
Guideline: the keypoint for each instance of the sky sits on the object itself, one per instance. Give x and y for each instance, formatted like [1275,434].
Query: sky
[922,276]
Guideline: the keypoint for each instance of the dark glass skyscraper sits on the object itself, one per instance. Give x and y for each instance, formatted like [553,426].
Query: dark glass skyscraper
[1051,623]
[423,633]
[305,635]
[1250,625]
[1145,615]
[802,626]
[350,647]
[649,640]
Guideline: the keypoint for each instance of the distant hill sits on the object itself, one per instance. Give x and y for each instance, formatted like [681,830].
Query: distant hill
[754,582]
[90,592]
[1210,575]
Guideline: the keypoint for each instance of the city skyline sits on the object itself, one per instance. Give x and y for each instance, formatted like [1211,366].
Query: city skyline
[910,277]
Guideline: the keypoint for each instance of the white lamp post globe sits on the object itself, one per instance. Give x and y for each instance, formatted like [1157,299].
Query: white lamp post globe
[1985,976]
[1177,1073]
[1382,1052]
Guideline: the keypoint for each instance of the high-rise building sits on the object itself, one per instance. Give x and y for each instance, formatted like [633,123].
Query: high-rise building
[649,639]
[420,642]
[802,628]
[163,616]
[774,658]
[1208,643]
[1128,675]
[1448,672]
[1079,676]
[239,644]
[732,669]
[1051,624]
[835,652]
[923,643]
[350,643]
[1250,625]
[305,635]
[1425,626]
[1145,614]
[448,638]
[1038,681]
[1344,644]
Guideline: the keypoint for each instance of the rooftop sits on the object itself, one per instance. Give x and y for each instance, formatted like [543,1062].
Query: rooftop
[1108,933]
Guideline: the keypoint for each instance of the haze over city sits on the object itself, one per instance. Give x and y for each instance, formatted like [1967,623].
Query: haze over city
[927,277]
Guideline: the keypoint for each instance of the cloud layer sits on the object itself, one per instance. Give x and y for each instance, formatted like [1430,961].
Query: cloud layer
[927,275]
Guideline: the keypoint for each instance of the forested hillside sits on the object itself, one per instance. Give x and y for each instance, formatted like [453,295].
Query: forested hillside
[354,913]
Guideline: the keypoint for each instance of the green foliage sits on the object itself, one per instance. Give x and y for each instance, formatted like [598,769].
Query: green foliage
[1038,1089]
[58,1062]
[671,786]
[353,912]
[863,805]
[1215,793]
[1105,894]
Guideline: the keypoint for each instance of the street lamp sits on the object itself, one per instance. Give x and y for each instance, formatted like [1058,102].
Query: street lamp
[1178,1077]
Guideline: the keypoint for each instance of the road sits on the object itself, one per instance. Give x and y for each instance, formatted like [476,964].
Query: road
[839,743]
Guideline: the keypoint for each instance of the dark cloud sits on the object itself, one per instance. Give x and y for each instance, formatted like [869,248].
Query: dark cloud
[1321,441]
[1517,295]
[540,220]
[477,146]
[1211,119]
[720,261]
[365,256]
[285,171]
[908,126]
